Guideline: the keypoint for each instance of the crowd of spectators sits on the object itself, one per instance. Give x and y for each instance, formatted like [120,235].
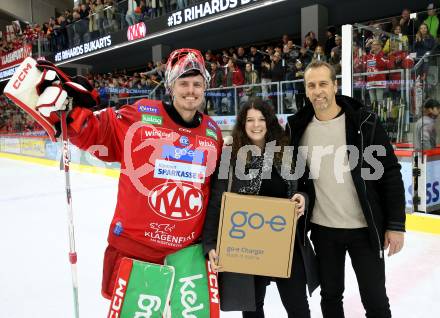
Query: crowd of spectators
[14,119]
[255,64]
[87,21]
[383,46]
[396,44]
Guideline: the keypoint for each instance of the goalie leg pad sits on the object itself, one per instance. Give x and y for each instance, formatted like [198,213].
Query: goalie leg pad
[141,290]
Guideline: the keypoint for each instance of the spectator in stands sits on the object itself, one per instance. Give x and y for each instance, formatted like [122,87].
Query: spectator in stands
[330,41]
[278,74]
[181,4]
[241,59]
[305,56]
[110,20]
[255,58]
[143,10]
[308,45]
[277,68]
[424,41]
[209,60]
[51,34]
[319,54]
[310,40]
[79,28]
[426,135]
[233,77]
[68,15]
[408,25]
[100,16]
[61,33]
[84,12]
[250,78]
[423,44]
[300,93]
[290,53]
[216,82]
[130,16]
[398,42]
[432,20]
[266,78]
[397,60]
[93,24]
[336,55]
[373,63]
[161,9]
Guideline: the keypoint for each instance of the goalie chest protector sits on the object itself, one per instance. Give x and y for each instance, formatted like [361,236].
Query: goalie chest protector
[165,179]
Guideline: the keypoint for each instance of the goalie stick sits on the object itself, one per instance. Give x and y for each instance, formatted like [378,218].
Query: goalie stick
[65,165]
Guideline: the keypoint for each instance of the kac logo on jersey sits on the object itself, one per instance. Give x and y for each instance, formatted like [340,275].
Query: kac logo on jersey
[148,109]
[183,154]
[176,201]
[184,141]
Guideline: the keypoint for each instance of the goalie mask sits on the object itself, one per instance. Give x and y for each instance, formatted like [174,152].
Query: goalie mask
[183,61]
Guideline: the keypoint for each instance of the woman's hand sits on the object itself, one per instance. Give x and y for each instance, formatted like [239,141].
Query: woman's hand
[300,204]
[213,259]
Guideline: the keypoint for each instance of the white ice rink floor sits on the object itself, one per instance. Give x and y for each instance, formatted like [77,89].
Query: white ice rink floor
[35,275]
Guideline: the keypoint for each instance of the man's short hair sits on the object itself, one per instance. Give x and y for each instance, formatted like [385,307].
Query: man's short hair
[318,64]
[431,103]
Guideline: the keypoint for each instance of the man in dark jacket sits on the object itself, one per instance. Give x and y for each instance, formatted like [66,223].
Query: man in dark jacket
[357,202]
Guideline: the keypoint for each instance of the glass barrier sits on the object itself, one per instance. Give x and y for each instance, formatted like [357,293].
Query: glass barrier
[425,101]
[382,63]
[226,101]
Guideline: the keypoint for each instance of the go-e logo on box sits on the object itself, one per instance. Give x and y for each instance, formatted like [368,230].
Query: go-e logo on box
[243,221]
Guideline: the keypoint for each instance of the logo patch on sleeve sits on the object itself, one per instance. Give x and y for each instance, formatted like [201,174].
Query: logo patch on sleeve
[151,119]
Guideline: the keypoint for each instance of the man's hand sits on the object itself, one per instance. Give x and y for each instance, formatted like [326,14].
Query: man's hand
[213,259]
[394,240]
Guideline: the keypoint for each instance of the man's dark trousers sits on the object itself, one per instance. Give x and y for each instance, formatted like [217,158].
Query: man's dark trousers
[331,245]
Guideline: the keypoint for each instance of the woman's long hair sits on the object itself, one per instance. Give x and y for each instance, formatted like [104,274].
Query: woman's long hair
[273,127]
[427,33]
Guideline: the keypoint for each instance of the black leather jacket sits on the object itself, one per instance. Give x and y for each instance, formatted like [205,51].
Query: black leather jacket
[383,200]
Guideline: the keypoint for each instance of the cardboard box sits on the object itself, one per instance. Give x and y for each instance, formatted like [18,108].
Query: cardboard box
[256,235]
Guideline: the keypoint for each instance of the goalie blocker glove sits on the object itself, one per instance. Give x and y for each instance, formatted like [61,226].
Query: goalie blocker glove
[54,89]
[42,90]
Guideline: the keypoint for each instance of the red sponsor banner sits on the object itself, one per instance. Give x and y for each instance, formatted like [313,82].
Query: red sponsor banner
[137,31]
[15,57]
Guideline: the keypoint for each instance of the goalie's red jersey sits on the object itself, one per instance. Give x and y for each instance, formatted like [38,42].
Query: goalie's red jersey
[165,175]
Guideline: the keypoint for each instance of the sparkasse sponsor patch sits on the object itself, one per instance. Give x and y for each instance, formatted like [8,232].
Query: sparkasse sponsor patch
[171,170]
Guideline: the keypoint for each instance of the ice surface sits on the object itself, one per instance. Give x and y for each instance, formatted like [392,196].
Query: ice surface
[35,273]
